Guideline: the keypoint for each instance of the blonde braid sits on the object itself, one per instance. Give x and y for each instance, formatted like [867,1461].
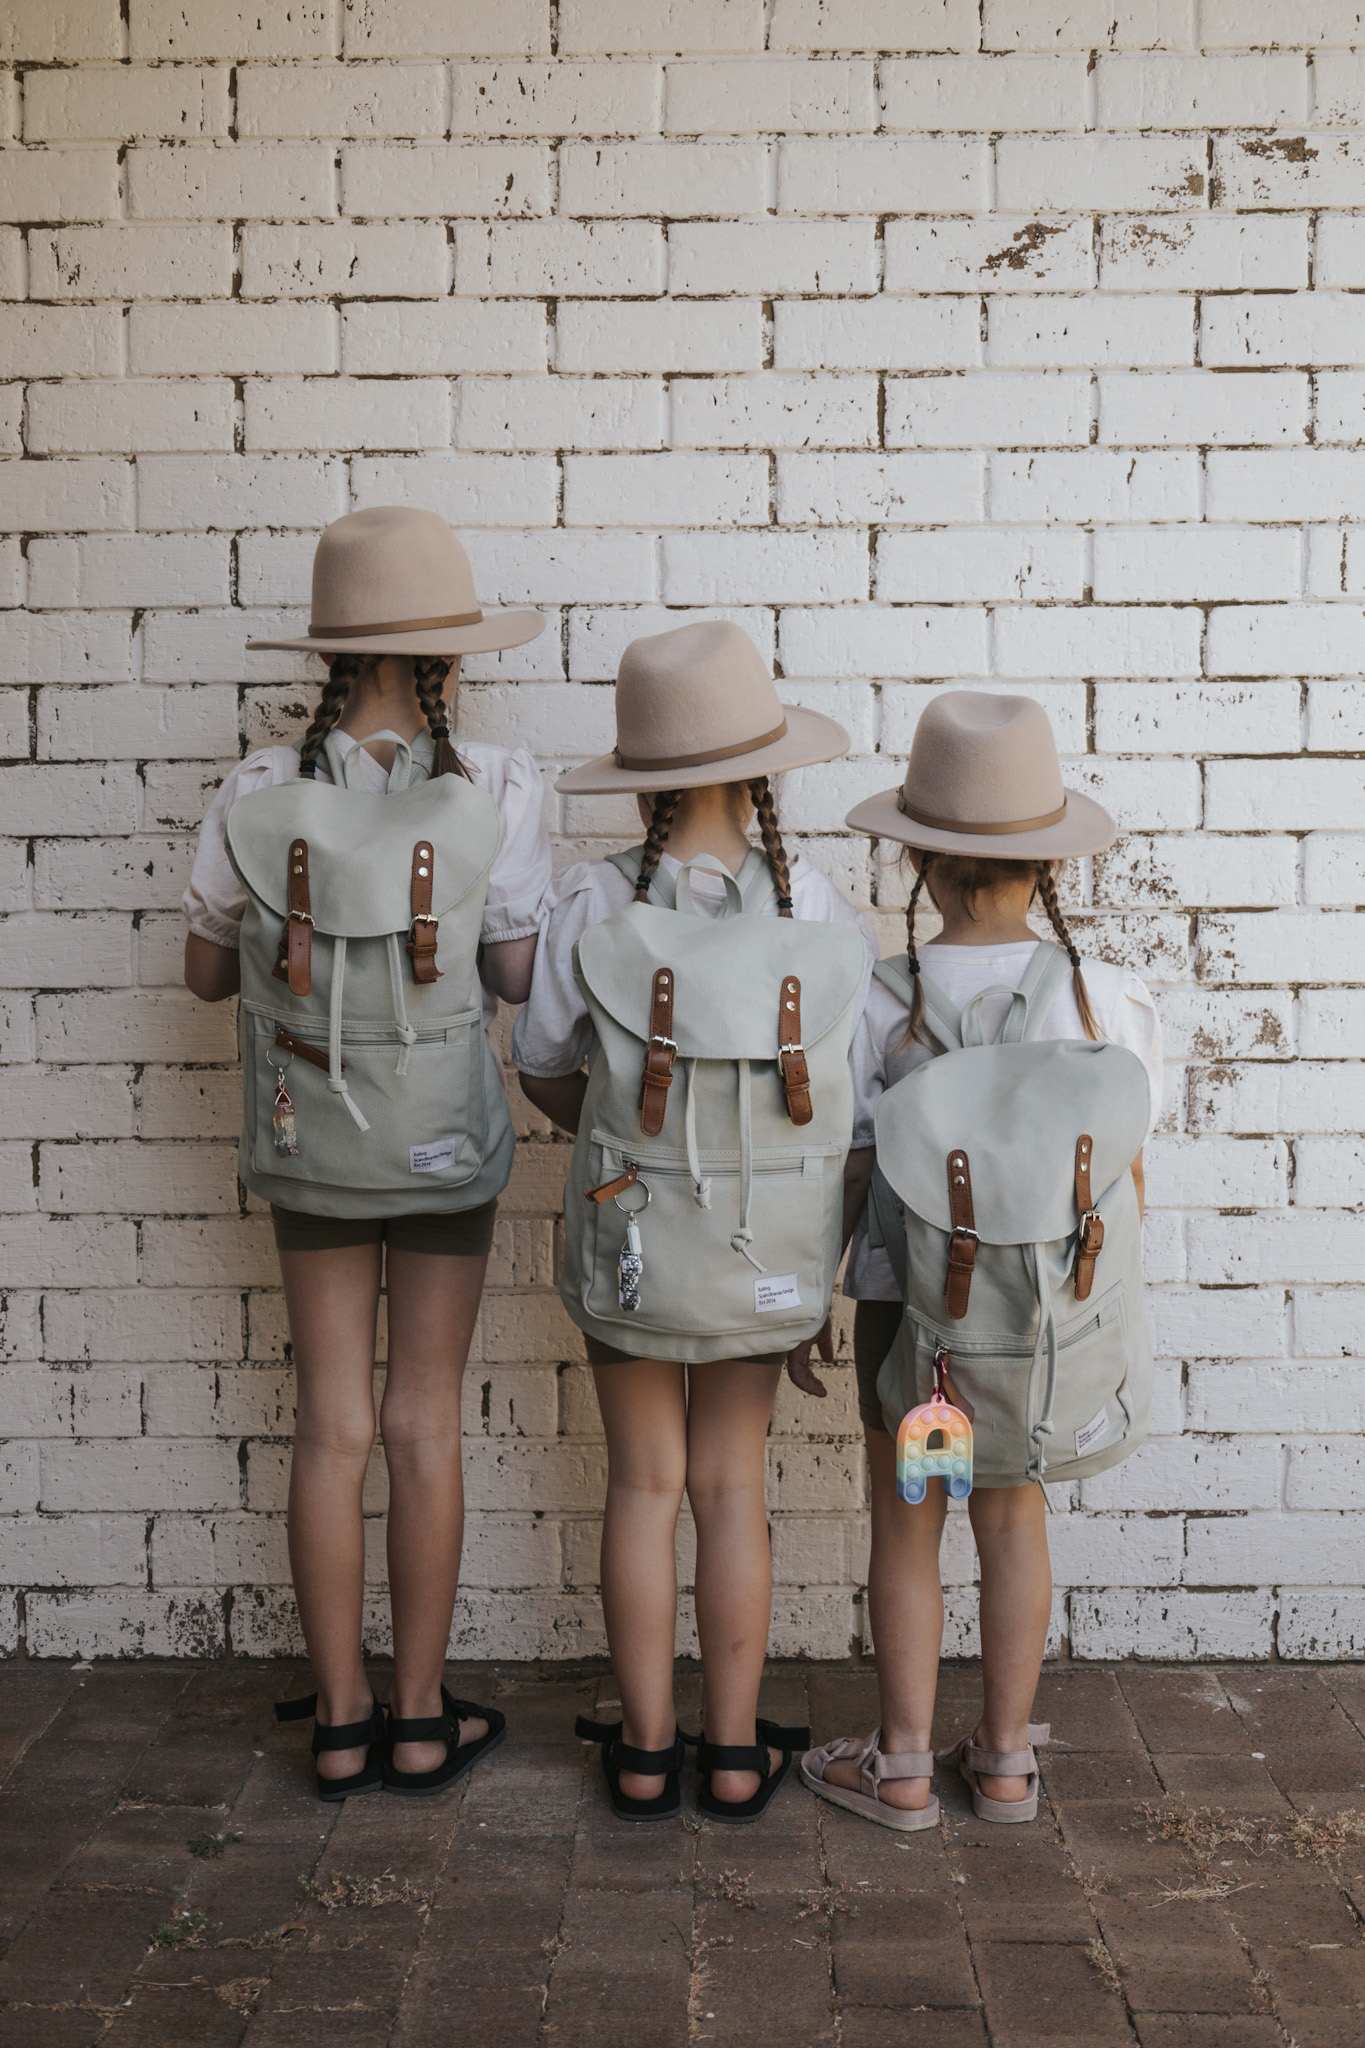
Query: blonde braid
[761,792]
[666,801]
[1047,891]
[343,672]
[429,681]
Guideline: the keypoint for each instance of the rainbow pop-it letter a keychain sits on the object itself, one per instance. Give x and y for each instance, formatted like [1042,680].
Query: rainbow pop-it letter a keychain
[937,1423]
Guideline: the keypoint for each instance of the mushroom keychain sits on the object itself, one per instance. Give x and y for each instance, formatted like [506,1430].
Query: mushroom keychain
[919,1459]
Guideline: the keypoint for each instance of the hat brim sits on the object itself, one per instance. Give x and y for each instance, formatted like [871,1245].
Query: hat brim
[495,630]
[810,737]
[1086,828]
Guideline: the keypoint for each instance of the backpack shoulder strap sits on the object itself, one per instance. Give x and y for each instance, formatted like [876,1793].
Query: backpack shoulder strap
[755,880]
[661,889]
[1040,988]
[943,1019]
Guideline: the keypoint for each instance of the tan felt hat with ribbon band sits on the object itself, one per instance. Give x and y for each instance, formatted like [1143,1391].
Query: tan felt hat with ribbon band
[983,778]
[395,580]
[697,705]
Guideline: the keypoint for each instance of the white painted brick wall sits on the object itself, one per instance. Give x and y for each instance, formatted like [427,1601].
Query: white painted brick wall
[982,343]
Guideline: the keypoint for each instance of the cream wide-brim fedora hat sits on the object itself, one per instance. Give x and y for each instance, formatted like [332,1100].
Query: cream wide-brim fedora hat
[983,777]
[394,580]
[697,705]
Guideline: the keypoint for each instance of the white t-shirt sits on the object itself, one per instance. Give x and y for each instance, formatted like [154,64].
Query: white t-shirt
[554,1033]
[519,880]
[880,1056]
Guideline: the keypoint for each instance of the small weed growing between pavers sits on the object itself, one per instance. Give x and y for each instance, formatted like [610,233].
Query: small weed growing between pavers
[733,1888]
[1098,1956]
[206,1847]
[1325,1836]
[1200,1894]
[341,1889]
[241,1993]
[274,1937]
[829,1901]
[1322,1836]
[693,1822]
[186,1928]
[555,1944]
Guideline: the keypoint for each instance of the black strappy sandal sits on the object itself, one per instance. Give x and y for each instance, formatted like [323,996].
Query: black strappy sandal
[618,1756]
[443,1727]
[348,1735]
[714,1756]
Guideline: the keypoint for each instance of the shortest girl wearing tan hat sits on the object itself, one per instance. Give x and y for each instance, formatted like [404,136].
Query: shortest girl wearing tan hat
[986,823]
[700,732]
[355,1205]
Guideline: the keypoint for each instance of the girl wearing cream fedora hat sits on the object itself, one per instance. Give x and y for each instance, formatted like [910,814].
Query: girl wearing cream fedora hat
[393,612]
[985,822]
[700,733]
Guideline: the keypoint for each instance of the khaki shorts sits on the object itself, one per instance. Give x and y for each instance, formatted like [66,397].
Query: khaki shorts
[875,1324]
[607,1354]
[451,1234]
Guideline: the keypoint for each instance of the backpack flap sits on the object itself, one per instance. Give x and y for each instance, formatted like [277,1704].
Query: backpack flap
[718,1014]
[361,847]
[1018,1112]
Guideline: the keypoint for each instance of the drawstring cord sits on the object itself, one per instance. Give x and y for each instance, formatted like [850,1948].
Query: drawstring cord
[744,1237]
[407,1035]
[1047,1340]
[701,1184]
[335,1080]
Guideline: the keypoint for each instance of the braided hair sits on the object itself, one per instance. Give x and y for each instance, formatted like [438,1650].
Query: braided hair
[666,801]
[761,792]
[429,681]
[1047,891]
[342,673]
[972,875]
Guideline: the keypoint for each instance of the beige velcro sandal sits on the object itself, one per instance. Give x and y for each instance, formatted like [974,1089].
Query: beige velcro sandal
[875,1766]
[973,1762]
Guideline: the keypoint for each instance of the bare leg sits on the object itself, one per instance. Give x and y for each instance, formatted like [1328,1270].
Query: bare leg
[645,1419]
[729,1406]
[433,1301]
[332,1298]
[905,1599]
[1010,1527]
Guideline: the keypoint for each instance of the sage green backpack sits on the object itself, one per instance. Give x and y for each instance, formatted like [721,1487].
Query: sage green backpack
[1003,1196]
[703,1209]
[369,1085]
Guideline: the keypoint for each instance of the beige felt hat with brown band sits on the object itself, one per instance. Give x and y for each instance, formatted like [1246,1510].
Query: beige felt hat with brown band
[697,705]
[395,580]
[983,778]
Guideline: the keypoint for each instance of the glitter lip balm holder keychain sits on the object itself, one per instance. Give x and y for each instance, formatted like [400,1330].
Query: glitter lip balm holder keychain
[950,1460]
[282,1117]
[631,1266]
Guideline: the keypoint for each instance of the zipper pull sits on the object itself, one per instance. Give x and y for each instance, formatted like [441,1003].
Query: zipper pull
[610,1188]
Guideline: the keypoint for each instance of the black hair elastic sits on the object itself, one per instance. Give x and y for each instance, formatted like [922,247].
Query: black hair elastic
[913,965]
[784,902]
[440,732]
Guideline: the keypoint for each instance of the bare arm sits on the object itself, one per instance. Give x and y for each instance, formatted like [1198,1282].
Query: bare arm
[559,1098]
[857,1180]
[505,969]
[1140,1183]
[211,972]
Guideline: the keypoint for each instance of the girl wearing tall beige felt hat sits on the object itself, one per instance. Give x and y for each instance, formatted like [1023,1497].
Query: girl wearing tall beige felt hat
[986,820]
[700,730]
[394,610]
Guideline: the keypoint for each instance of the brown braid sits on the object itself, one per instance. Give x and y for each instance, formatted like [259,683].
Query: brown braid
[761,792]
[343,672]
[916,1027]
[429,681]
[666,801]
[1047,891]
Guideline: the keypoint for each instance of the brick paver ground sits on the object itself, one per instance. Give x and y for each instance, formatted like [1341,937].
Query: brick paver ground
[1195,1879]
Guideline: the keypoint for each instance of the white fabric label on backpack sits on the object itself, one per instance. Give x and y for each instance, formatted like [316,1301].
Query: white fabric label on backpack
[432,1158]
[1097,1427]
[774,1291]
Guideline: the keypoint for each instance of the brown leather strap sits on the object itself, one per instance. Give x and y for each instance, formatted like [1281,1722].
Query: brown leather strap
[300,950]
[791,1054]
[1090,1234]
[606,1190]
[660,1054]
[963,1242]
[314,1054]
[422,934]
